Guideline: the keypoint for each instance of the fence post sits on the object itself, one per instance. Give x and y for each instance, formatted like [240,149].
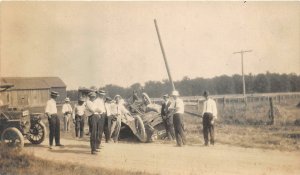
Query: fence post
[271,113]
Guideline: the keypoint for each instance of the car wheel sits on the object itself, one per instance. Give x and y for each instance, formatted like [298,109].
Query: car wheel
[12,137]
[37,133]
[141,133]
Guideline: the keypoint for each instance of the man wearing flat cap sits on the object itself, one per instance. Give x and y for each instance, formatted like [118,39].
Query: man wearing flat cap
[177,109]
[67,112]
[167,119]
[209,115]
[53,119]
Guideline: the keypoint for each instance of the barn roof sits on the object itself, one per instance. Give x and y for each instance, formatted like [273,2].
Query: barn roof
[26,83]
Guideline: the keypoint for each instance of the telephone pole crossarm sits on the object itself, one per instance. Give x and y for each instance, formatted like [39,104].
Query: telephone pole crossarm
[242,60]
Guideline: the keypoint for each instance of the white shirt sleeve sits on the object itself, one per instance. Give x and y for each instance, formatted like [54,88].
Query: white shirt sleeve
[74,111]
[90,106]
[215,111]
[48,107]
[204,108]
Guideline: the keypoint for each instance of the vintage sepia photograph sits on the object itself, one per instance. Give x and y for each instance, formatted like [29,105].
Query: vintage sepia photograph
[150,87]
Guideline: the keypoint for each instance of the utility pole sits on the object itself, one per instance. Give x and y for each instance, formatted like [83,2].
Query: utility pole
[242,58]
[164,55]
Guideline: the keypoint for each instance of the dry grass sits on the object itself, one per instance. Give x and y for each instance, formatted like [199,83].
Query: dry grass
[14,161]
[246,126]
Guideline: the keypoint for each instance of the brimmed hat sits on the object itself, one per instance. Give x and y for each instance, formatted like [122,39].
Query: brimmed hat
[175,93]
[67,99]
[101,92]
[117,96]
[205,93]
[92,94]
[93,89]
[54,93]
[166,96]
[81,99]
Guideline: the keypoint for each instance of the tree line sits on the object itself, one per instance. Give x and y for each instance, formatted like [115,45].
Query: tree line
[224,84]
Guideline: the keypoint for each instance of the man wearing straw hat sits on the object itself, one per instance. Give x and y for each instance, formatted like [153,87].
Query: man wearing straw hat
[120,112]
[67,111]
[209,114]
[108,119]
[101,111]
[53,119]
[78,117]
[177,109]
[93,118]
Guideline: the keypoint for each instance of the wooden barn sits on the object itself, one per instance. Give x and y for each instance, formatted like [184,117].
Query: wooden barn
[31,91]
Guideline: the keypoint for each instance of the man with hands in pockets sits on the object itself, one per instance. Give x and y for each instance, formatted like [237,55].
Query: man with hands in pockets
[209,115]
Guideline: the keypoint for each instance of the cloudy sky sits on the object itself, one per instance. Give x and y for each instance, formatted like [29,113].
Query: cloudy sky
[98,43]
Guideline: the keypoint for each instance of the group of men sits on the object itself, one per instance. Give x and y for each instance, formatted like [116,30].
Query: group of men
[105,116]
[172,114]
[103,113]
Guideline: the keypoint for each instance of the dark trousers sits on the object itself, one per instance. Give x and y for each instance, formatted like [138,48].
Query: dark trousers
[107,127]
[79,125]
[179,129]
[168,123]
[93,121]
[54,127]
[208,128]
[100,129]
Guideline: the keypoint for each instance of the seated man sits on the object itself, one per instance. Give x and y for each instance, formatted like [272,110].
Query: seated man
[149,106]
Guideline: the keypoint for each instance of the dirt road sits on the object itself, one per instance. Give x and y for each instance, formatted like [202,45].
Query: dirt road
[168,159]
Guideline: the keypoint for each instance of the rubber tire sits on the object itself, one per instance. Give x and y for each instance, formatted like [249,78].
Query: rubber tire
[36,142]
[17,132]
[142,136]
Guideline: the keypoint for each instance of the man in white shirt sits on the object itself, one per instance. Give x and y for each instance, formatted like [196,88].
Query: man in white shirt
[108,119]
[100,109]
[93,118]
[120,111]
[67,111]
[53,119]
[209,114]
[78,117]
[177,109]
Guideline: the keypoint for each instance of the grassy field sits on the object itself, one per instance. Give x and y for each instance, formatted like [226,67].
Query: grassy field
[247,126]
[241,125]
[13,162]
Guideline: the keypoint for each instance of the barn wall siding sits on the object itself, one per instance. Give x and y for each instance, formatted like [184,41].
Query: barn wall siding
[20,98]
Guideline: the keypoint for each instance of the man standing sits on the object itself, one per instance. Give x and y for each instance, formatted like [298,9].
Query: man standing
[167,119]
[93,118]
[121,111]
[209,114]
[54,123]
[177,109]
[100,109]
[67,111]
[78,117]
[108,119]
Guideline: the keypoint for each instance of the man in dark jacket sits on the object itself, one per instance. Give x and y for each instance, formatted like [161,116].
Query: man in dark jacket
[167,119]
